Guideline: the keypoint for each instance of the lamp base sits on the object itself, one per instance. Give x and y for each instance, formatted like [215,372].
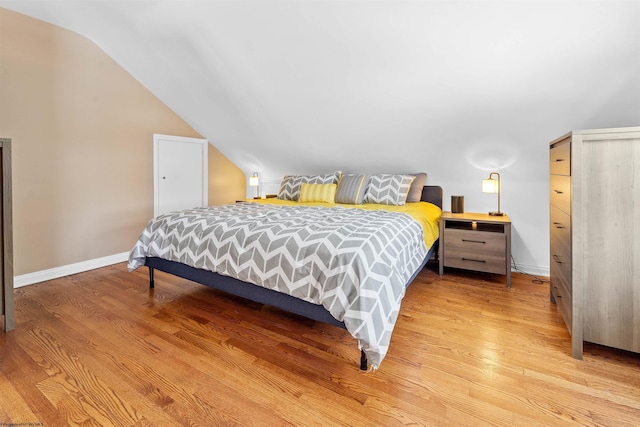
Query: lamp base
[496,213]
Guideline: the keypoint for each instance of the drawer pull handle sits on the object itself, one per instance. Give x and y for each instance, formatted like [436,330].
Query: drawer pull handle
[558,225]
[557,259]
[474,260]
[559,160]
[557,191]
[474,241]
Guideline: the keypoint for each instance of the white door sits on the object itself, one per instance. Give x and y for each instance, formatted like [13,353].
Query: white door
[180,173]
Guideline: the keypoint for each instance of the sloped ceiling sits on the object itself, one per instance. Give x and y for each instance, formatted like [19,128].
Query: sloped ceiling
[311,86]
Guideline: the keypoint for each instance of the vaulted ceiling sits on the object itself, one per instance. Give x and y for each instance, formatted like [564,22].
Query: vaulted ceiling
[313,85]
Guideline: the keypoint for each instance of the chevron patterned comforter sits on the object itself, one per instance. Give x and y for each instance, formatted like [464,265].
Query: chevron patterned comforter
[356,263]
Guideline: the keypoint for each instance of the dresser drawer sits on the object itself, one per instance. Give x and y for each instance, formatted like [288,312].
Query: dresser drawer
[560,159]
[562,296]
[489,262]
[560,192]
[560,232]
[561,263]
[475,240]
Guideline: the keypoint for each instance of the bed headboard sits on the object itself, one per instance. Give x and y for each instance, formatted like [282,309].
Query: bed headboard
[432,194]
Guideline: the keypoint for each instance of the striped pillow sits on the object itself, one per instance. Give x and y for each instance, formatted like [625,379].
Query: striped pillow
[351,189]
[388,189]
[317,193]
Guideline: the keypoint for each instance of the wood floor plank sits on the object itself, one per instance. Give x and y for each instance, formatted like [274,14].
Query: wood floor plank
[14,405]
[101,348]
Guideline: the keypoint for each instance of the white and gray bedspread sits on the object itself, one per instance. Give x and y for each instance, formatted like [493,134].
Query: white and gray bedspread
[355,263]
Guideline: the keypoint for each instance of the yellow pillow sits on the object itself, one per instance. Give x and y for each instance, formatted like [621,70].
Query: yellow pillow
[318,193]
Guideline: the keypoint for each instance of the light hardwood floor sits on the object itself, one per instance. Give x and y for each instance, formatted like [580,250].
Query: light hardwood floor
[101,348]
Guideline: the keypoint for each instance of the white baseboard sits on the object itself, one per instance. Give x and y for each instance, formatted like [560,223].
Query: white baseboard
[535,270]
[79,267]
[66,270]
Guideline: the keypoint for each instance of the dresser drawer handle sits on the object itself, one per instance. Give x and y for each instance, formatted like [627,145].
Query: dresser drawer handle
[557,295]
[474,241]
[559,160]
[474,260]
[558,191]
[558,225]
[557,259]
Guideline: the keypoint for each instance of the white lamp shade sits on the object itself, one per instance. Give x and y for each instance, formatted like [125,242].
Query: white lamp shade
[254,181]
[490,185]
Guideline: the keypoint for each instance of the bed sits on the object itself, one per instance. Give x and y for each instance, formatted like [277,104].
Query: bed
[250,255]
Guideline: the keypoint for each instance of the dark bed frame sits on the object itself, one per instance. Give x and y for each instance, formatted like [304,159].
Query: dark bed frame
[430,193]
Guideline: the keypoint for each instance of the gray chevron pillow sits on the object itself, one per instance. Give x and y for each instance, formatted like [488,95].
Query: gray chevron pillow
[388,189]
[290,185]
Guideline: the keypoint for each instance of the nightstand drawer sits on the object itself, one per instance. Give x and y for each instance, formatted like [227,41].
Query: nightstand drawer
[489,262]
[475,240]
[560,159]
[560,192]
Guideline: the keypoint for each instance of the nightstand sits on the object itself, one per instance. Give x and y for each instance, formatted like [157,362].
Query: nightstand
[476,241]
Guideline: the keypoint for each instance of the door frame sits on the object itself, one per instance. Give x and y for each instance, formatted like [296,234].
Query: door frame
[156,179]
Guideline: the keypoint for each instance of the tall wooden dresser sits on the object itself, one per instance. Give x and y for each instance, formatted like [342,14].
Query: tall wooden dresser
[6,236]
[595,229]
